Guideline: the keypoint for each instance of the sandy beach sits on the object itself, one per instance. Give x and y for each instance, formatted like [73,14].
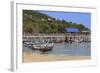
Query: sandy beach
[31,57]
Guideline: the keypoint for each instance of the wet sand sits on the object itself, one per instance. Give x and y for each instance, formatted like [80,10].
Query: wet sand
[31,57]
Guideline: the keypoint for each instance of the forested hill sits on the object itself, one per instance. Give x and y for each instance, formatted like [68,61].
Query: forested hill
[36,22]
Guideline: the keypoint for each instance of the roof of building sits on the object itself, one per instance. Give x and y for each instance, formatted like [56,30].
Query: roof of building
[72,30]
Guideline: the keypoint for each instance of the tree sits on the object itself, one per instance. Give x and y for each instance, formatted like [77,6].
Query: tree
[38,23]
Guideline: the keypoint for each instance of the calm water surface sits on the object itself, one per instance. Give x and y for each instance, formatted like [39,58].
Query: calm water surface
[80,49]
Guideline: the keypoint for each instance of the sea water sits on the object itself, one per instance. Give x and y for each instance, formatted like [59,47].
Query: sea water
[72,49]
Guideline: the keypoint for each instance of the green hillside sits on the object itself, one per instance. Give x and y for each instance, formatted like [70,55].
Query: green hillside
[36,22]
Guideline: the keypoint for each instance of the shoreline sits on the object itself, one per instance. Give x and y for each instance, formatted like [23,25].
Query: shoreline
[28,57]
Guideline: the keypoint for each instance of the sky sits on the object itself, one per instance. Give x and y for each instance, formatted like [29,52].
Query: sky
[75,17]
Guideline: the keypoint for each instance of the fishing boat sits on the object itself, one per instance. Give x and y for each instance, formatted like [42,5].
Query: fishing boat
[78,40]
[43,45]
